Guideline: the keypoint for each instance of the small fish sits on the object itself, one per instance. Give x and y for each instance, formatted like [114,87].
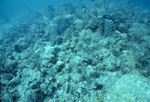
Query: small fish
[59,29]
[74,24]
[83,88]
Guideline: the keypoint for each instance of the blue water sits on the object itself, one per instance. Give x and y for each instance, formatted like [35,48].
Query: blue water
[11,11]
[13,8]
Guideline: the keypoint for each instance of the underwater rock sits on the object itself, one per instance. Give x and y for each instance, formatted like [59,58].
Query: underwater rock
[79,24]
[6,76]
[94,75]
[10,66]
[20,45]
[123,28]
[34,85]
[127,62]
[60,65]
[138,31]
[129,87]
[17,48]
[59,40]
[95,61]
[93,23]
[14,82]
[98,86]
[7,98]
[43,87]
[109,28]
[3,32]
[1,58]
[34,96]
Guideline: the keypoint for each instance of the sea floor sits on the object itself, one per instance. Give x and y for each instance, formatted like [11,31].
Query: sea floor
[91,52]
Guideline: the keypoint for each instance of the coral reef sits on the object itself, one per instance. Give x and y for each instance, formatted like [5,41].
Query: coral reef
[93,52]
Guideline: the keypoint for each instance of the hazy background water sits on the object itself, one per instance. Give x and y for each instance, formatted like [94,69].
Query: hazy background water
[13,10]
